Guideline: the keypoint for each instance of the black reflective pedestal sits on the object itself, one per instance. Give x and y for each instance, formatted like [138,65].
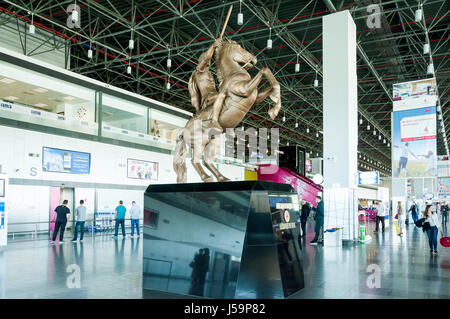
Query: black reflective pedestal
[222,240]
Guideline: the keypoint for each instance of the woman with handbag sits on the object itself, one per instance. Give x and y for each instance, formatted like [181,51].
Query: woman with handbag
[399,218]
[430,225]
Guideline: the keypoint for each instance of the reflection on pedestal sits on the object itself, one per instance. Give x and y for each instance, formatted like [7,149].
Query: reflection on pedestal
[222,240]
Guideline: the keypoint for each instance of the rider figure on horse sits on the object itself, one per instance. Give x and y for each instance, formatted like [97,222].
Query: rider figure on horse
[202,86]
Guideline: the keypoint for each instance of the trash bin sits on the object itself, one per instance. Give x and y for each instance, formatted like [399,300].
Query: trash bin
[362,233]
[332,237]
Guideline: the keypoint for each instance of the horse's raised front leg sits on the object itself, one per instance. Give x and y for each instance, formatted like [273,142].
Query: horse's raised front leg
[246,87]
[274,94]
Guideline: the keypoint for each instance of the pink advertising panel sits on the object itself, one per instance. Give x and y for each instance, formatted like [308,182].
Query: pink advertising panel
[305,187]
[55,194]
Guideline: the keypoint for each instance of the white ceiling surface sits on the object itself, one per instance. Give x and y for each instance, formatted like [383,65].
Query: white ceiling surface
[34,96]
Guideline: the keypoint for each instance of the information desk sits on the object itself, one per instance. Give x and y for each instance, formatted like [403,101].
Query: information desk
[222,240]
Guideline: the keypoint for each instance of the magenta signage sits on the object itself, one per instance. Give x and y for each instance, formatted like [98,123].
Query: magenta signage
[55,197]
[305,187]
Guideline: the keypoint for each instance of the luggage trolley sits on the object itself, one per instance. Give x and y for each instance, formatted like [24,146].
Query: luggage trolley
[104,222]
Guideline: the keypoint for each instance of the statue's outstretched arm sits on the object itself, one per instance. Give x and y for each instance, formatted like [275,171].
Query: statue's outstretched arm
[194,93]
[205,59]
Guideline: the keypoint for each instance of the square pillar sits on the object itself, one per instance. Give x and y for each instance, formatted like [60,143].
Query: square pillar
[340,125]
[340,101]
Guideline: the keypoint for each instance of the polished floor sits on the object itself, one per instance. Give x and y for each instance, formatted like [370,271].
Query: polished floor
[111,268]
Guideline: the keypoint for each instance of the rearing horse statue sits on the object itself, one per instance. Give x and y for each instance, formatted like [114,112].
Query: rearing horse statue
[238,92]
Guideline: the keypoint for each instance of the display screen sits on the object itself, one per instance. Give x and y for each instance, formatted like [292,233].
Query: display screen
[308,166]
[301,162]
[274,200]
[368,178]
[64,161]
[142,169]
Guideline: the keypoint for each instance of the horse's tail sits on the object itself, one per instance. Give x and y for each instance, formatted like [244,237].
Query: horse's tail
[179,159]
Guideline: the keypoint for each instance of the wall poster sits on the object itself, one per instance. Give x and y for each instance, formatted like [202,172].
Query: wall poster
[140,169]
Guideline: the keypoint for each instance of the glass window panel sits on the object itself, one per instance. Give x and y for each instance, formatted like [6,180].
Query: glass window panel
[33,97]
[123,114]
[164,125]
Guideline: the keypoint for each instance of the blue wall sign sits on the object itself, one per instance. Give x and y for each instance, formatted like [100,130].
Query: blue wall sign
[2,215]
[368,178]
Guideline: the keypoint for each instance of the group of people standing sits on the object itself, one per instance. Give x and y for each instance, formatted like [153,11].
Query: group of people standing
[119,216]
[318,216]
[62,216]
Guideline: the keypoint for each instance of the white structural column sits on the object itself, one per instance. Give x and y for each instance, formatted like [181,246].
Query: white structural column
[340,123]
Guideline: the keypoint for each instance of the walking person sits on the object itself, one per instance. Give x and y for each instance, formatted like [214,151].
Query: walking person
[444,212]
[399,219]
[431,227]
[62,216]
[306,209]
[80,213]
[381,216]
[319,217]
[120,219]
[135,214]
[414,211]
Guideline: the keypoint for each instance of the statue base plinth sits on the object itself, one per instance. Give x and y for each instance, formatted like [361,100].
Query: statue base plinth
[222,240]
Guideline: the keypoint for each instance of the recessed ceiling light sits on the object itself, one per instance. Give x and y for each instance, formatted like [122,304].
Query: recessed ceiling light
[7,81]
[40,105]
[11,98]
[40,90]
[69,98]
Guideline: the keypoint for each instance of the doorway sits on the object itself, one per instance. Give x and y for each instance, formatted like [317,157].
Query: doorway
[57,196]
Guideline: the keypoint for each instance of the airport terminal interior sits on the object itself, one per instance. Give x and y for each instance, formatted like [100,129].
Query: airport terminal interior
[237,149]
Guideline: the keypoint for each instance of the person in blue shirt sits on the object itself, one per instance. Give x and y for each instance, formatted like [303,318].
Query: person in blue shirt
[120,219]
[414,212]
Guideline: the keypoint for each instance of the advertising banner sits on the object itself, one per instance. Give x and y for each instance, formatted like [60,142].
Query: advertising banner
[443,168]
[139,169]
[308,166]
[414,132]
[64,161]
[444,186]
[414,143]
[415,94]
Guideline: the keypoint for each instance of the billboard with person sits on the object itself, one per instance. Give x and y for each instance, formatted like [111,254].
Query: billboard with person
[414,132]
[142,169]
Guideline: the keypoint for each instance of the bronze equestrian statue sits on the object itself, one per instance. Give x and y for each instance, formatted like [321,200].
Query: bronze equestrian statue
[222,109]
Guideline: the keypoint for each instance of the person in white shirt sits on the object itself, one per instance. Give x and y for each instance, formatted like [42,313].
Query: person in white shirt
[432,163]
[432,217]
[403,161]
[380,216]
[135,214]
